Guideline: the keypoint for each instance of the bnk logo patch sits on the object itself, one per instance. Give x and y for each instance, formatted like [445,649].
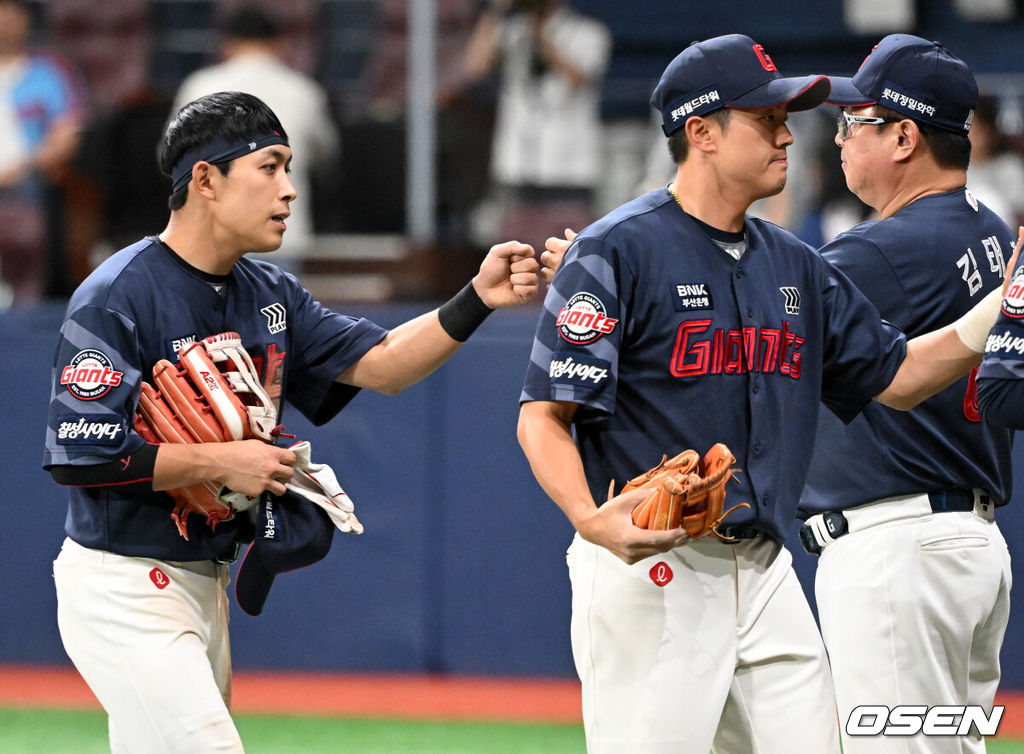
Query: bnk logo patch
[175,345]
[691,296]
[90,375]
[583,319]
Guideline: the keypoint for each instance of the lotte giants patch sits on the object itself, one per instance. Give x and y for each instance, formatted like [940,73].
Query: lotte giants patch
[1013,304]
[90,375]
[584,319]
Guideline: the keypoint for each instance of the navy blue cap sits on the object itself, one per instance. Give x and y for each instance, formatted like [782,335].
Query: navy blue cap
[291,533]
[914,77]
[729,71]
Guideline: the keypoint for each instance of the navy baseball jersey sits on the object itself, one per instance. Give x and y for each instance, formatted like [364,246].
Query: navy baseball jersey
[667,341]
[1001,375]
[144,304]
[923,267]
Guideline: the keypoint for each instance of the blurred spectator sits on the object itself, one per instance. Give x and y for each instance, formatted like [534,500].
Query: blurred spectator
[253,64]
[546,151]
[996,172]
[41,115]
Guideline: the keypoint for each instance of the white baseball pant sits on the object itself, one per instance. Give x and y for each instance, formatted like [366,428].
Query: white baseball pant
[150,638]
[913,607]
[710,644]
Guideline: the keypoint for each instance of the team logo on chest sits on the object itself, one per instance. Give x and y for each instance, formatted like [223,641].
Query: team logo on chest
[275,314]
[583,319]
[90,375]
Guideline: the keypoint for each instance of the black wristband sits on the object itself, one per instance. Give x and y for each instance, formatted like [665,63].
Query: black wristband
[463,313]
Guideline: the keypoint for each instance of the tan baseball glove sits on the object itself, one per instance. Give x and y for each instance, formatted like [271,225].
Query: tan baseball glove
[687,492]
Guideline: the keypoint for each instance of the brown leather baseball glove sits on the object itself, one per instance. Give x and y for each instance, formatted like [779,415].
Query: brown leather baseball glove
[213,394]
[687,492]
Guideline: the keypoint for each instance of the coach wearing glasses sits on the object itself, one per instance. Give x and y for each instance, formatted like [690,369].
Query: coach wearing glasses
[913,579]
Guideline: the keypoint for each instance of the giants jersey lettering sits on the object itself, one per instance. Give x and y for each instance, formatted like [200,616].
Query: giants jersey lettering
[145,304]
[752,349]
[706,348]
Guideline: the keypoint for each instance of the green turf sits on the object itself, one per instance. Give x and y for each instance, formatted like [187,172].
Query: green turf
[1004,747]
[36,731]
[62,732]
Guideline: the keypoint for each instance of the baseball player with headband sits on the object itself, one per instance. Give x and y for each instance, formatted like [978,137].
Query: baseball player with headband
[679,322]
[186,319]
[913,581]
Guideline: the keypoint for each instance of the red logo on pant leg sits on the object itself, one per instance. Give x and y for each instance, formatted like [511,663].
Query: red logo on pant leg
[159,578]
[661,574]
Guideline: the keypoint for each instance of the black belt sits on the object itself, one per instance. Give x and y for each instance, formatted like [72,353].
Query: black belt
[228,556]
[737,532]
[942,501]
[955,500]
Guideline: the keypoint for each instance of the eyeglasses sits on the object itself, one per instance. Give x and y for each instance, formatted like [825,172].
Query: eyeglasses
[845,121]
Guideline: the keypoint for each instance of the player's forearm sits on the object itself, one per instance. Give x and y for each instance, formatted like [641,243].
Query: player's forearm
[407,354]
[934,361]
[247,466]
[547,442]
[183,465]
[415,349]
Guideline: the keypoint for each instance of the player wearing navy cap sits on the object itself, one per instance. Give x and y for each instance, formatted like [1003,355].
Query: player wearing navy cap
[142,611]
[913,579]
[677,321]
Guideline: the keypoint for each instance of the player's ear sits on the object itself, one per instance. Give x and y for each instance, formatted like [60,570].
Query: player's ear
[202,178]
[700,132]
[908,138]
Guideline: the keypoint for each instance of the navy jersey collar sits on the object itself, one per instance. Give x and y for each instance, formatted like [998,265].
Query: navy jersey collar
[206,277]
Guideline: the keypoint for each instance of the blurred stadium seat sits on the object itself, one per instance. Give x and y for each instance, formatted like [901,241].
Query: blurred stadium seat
[109,42]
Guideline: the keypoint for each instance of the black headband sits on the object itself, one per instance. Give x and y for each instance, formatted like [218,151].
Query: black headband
[217,151]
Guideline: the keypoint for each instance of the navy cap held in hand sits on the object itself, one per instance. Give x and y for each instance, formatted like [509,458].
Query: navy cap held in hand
[291,533]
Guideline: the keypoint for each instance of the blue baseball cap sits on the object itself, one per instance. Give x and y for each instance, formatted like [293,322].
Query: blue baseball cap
[729,71]
[914,77]
[291,533]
